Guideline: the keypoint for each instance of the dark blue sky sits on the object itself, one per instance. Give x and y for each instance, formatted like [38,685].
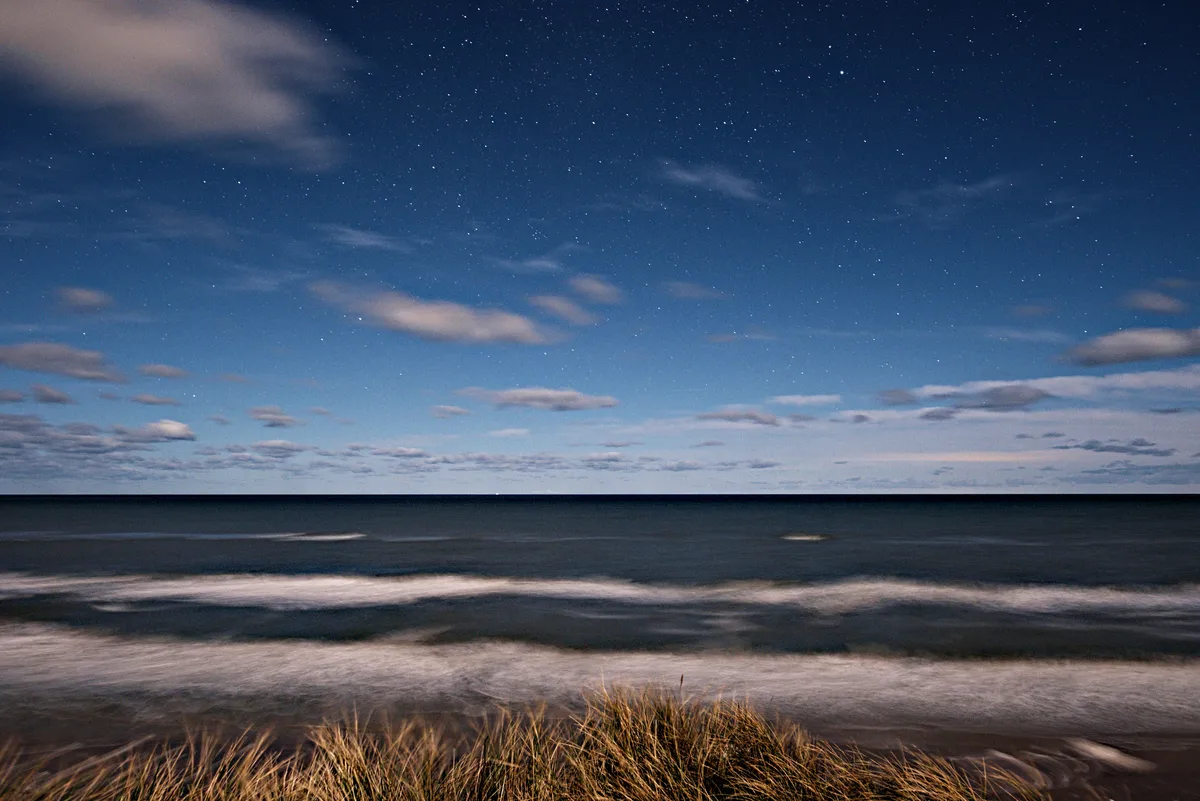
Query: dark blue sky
[531,247]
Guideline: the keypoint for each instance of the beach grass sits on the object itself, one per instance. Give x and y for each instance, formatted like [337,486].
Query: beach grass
[628,745]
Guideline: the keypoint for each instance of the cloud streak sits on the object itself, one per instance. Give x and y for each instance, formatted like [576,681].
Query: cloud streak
[712,178]
[438,320]
[57,359]
[1136,345]
[186,70]
[554,400]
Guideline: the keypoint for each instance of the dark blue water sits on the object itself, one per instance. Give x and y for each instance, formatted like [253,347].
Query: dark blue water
[1064,577]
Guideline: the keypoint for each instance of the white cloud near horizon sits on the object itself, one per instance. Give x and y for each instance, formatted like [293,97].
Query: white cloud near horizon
[185,70]
[1078,386]
[437,320]
[712,178]
[554,400]
[58,359]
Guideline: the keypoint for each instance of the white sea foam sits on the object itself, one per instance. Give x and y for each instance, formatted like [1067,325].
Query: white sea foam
[42,664]
[312,592]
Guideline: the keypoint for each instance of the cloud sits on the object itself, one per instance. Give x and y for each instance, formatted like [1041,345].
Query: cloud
[946,203]
[185,70]
[941,413]
[162,371]
[741,416]
[509,433]
[279,448]
[77,299]
[321,410]
[51,357]
[367,240]
[712,178]
[437,320]
[564,309]
[1004,398]
[1137,344]
[154,400]
[546,263]
[161,431]
[444,412]
[1157,302]
[11,396]
[1031,310]
[219,419]
[685,290]
[45,394]
[1178,283]
[1135,447]
[399,453]
[555,400]
[1079,386]
[805,400]
[897,397]
[274,417]
[595,289]
[1045,335]
[709,443]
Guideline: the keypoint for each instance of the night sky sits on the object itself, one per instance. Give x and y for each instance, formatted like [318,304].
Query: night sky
[531,247]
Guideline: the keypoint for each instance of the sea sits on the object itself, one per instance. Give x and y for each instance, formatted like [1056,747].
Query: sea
[1067,614]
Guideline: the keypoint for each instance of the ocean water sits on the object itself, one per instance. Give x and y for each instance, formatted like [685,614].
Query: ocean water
[1050,613]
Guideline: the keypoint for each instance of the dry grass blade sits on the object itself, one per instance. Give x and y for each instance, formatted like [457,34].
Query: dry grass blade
[626,746]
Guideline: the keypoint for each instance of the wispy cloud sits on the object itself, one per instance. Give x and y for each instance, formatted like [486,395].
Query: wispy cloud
[1137,344]
[189,70]
[805,400]
[11,396]
[947,203]
[509,433]
[555,400]
[349,237]
[45,394]
[735,415]
[712,178]
[147,399]
[444,412]
[437,320]
[1157,302]
[596,290]
[57,359]
[545,263]
[162,371]
[1043,335]
[81,300]
[1184,379]
[274,417]
[564,309]
[1134,447]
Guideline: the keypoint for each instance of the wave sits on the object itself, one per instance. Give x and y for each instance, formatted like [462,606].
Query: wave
[316,592]
[42,663]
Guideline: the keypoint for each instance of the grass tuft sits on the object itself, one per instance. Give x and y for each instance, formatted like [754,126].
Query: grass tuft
[626,746]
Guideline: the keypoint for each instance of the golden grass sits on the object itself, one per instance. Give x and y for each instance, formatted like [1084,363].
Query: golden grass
[627,746]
